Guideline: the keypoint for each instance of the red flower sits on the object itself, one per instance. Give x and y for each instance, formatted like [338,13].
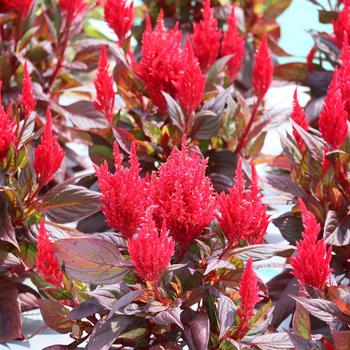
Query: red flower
[124,194]
[191,84]
[27,98]
[344,74]
[184,195]
[333,118]
[162,61]
[311,262]
[22,7]
[299,116]
[206,38]
[233,44]
[46,261]
[119,17]
[48,155]
[242,215]
[73,8]
[341,26]
[151,252]
[249,291]
[7,130]
[263,69]
[104,88]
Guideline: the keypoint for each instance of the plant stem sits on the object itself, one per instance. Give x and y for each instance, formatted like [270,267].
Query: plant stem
[243,140]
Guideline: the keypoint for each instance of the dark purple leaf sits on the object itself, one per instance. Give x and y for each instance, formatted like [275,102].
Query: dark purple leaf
[175,112]
[58,347]
[7,232]
[10,312]
[84,115]
[106,332]
[68,203]
[322,309]
[196,326]
[337,233]
[301,322]
[93,259]
[54,315]
[318,82]
[206,124]
[8,260]
[84,309]
[273,341]
[301,343]
[125,300]
[262,251]
[226,312]
[107,295]
[290,226]
[169,316]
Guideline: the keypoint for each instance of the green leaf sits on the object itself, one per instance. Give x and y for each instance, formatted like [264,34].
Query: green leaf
[301,322]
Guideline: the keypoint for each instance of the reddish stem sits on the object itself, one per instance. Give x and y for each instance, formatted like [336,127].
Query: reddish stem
[243,139]
[60,59]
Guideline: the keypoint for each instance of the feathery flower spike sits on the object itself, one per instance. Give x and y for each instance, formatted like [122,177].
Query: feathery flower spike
[162,61]
[119,17]
[48,155]
[27,98]
[311,262]
[21,7]
[73,8]
[184,195]
[151,252]
[242,215]
[191,84]
[333,118]
[206,38]
[299,117]
[46,261]
[341,26]
[263,69]
[233,44]
[7,130]
[124,194]
[249,292]
[105,95]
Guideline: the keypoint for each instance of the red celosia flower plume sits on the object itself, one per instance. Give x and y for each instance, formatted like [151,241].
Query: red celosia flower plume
[206,38]
[233,44]
[333,118]
[104,88]
[21,7]
[184,195]
[27,98]
[7,130]
[344,74]
[46,261]
[341,26]
[151,252]
[311,262]
[242,215]
[48,155]
[299,117]
[162,61]
[263,69]
[73,8]
[124,194]
[191,84]
[119,17]
[249,291]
